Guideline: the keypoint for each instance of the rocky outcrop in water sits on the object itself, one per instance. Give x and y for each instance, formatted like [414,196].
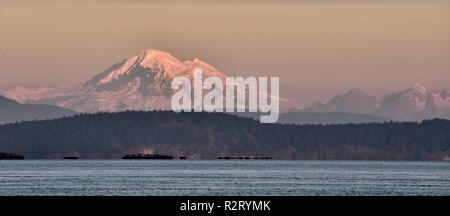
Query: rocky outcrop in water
[244,158]
[10,156]
[146,156]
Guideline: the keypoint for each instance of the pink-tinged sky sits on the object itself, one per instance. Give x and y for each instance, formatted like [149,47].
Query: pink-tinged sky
[318,48]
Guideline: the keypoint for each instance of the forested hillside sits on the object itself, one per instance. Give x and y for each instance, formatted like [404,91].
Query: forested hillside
[11,111]
[210,135]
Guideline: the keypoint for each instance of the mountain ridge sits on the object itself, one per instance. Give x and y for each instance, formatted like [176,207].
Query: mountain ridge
[416,103]
[11,111]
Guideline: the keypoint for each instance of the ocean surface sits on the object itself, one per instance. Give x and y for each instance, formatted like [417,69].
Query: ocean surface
[216,177]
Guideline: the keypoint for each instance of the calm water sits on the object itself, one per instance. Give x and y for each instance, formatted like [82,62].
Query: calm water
[151,177]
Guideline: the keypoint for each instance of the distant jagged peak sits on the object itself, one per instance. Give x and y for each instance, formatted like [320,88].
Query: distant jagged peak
[356,92]
[418,87]
[352,94]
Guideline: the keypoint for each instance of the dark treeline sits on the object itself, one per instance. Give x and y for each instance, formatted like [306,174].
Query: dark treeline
[210,135]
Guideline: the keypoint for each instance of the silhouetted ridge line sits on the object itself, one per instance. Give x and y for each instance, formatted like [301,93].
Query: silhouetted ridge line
[212,135]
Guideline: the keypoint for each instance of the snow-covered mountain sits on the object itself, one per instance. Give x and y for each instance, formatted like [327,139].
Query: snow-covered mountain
[354,101]
[416,103]
[141,82]
[413,104]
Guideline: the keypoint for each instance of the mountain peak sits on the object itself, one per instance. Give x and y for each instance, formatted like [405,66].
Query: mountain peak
[153,54]
[420,88]
[355,91]
[149,57]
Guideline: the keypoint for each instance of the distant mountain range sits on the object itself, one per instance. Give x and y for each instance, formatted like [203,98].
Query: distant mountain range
[413,104]
[142,82]
[11,111]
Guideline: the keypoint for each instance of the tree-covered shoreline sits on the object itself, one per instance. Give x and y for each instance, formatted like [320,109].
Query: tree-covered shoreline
[211,135]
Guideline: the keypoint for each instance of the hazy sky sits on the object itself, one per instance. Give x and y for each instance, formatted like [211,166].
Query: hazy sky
[318,48]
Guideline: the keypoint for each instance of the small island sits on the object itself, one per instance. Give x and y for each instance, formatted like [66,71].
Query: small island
[244,158]
[10,156]
[147,156]
[70,158]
